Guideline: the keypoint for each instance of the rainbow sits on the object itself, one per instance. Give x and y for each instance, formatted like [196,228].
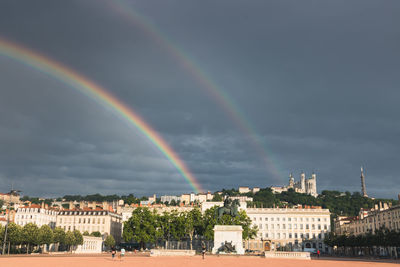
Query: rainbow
[100,95]
[213,90]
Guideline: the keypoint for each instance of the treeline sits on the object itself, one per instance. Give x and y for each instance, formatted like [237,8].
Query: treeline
[370,244]
[129,199]
[146,226]
[347,204]
[31,238]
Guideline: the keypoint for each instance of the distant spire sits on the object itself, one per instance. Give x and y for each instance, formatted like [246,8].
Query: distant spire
[363,189]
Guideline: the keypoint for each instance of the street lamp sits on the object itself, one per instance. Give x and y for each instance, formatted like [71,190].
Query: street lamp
[12,192]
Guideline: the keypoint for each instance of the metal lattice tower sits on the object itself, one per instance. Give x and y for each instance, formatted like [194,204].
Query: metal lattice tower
[363,189]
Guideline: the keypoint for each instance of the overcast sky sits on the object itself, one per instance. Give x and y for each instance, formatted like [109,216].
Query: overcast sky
[318,82]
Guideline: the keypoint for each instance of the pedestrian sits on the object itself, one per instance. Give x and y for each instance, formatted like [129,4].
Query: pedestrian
[318,252]
[113,252]
[203,249]
[122,253]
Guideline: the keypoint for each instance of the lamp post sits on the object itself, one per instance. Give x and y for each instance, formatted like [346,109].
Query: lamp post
[12,192]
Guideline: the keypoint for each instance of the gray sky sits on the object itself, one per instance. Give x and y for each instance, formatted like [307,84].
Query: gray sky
[317,80]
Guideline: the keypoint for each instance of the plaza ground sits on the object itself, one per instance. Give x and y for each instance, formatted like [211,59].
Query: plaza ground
[196,261]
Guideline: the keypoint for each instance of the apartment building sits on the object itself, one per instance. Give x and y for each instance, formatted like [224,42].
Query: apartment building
[103,221]
[37,214]
[295,228]
[382,215]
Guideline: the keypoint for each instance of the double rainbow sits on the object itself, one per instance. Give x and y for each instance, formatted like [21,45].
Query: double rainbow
[100,95]
[223,100]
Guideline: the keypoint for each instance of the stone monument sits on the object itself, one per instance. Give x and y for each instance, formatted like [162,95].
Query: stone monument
[228,239]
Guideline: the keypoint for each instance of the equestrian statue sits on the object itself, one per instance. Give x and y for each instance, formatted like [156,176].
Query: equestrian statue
[230,207]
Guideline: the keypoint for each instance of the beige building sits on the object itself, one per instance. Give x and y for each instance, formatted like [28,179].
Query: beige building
[103,221]
[305,186]
[296,228]
[381,215]
[15,198]
[37,214]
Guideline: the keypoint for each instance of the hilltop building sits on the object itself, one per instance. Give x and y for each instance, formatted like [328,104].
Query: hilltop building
[305,186]
[246,189]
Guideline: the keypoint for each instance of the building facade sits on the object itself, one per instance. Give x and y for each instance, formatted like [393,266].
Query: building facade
[380,216]
[305,186]
[294,228]
[103,221]
[37,214]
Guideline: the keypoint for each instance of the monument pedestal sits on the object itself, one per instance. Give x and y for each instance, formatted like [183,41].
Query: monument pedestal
[228,233]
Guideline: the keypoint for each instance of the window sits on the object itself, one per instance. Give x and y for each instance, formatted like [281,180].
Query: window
[266,226]
[319,227]
[260,226]
[301,226]
[307,226]
[313,226]
[295,235]
[266,219]
[283,226]
[290,235]
[289,219]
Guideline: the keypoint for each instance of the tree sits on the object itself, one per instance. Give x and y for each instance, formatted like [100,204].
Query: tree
[141,227]
[110,241]
[30,234]
[96,234]
[217,197]
[69,240]
[86,233]
[14,235]
[45,235]
[78,238]
[193,224]
[58,236]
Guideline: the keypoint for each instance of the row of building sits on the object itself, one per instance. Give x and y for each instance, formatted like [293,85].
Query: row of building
[369,221]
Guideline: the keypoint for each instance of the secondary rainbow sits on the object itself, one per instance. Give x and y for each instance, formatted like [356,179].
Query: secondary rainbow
[223,100]
[100,95]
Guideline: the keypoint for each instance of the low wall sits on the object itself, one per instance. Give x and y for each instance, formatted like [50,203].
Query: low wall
[287,255]
[175,252]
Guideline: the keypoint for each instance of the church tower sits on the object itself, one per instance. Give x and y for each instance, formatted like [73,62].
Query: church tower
[363,189]
[291,181]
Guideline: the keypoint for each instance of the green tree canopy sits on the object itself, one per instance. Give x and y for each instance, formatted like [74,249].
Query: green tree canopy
[78,238]
[141,227]
[45,235]
[110,241]
[59,235]
[96,234]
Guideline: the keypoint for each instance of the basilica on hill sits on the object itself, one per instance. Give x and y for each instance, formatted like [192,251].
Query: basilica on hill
[305,186]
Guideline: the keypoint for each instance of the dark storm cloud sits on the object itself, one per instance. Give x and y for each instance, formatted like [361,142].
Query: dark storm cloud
[318,81]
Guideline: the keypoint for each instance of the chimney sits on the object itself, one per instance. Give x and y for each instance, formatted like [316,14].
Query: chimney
[398,196]
[42,204]
[71,205]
